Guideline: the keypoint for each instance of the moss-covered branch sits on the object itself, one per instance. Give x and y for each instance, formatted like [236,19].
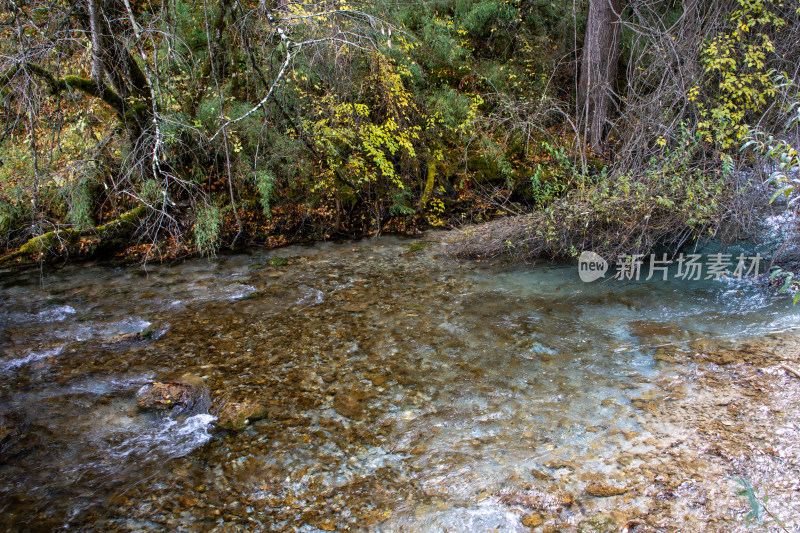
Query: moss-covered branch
[67,239]
[426,195]
[57,85]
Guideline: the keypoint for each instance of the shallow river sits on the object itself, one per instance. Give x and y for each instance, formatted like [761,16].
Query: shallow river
[406,391]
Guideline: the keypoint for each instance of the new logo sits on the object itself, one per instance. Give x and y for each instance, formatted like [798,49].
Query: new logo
[591,266]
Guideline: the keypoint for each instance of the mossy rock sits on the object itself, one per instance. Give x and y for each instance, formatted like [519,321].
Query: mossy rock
[278,262]
[236,416]
[272,262]
[532,520]
[601,523]
[601,489]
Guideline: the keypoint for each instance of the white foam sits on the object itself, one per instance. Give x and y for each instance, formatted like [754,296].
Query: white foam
[56,314]
[174,437]
[31,358]
[237,291]
[311,297]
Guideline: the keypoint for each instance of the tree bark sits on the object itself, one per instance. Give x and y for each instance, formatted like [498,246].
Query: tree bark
[597,83]
[94,26]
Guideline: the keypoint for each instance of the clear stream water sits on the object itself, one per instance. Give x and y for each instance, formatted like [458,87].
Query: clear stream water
[464,381]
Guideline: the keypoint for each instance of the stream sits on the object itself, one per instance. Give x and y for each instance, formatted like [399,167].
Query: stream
[406,391]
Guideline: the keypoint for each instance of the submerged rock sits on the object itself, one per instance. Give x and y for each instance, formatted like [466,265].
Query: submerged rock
[532,520]
[538,499]
[6,431]
[600,523]
[354,307]
[347,405]
[722,358]
[189,393]
[237,415]
[602,489]
[271,262]
[652,329]
[22,439]
[558,464]
[144,335]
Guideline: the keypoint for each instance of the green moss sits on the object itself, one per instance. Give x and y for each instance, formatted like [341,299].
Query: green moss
[126,220]
[68,238]
[278,262]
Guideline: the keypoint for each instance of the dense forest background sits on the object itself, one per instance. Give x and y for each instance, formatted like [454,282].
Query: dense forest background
[160,129]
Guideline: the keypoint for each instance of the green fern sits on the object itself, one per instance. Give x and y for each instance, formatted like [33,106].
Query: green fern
[207,224]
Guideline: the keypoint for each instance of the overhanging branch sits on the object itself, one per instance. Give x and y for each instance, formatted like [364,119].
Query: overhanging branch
[57,85]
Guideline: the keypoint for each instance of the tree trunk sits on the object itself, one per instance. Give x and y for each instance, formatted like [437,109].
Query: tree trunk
[597,84]
[115,72]
[94,25]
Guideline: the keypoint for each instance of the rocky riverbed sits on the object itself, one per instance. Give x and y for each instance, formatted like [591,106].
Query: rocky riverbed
[394,390]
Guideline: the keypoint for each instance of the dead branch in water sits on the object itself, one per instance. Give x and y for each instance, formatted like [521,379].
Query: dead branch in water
[629,217]
[790,370]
